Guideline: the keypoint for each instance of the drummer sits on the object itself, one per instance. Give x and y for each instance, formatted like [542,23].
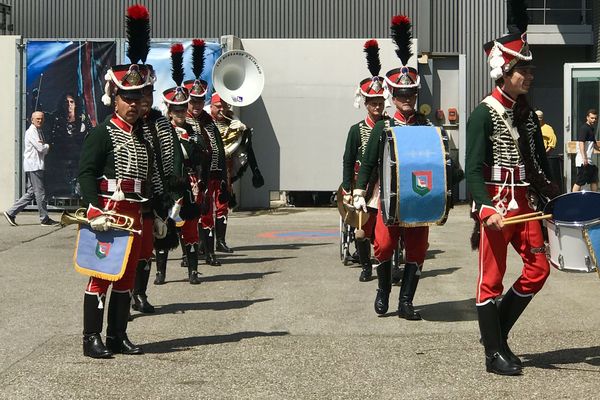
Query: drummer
[371,92]
[501,165]
[403,83]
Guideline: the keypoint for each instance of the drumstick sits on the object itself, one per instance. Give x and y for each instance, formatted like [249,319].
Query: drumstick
[359,234]
[533,214]
[518,221]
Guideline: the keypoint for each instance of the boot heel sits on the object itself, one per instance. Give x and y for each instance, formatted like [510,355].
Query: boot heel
[94,348]
[500,364]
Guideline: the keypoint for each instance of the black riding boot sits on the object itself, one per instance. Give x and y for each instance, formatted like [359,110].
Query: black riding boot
[384,279]
[192,256]
[410,280]
[116,331]
[93,313]
[220,231]
[161,266]
[397,273]
[496,359]
[140,299]
[184,262]
[510,309]
[209,247]
[364,254]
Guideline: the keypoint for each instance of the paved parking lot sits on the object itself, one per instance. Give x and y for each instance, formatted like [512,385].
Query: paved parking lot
[283,318]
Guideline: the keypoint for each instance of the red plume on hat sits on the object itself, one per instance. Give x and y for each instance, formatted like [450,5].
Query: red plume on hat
[135,75]
[138,33]
[372,52]
[197,87]
[372,86]
[401,35]
[512,49]
[177,63]
[404,79]
[198,49]
[178,95]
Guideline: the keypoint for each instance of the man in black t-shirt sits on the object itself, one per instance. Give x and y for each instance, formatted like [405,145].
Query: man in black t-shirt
[587,172]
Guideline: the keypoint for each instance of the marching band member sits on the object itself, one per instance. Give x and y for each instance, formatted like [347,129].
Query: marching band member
[114,171]
[177,99]
[166,156]
[371,92]
[403,83]
[216,196]
[505,159]
[239,154]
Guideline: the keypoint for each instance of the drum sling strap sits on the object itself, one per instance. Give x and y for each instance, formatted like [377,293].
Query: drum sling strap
[514,133]
[499,108]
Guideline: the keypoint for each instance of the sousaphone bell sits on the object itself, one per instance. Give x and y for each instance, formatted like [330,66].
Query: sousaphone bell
[238,78]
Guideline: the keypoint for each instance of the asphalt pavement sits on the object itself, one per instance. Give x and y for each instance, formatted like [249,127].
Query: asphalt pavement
[283,318]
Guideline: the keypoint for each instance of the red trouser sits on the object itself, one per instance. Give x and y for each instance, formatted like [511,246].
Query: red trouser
[147,237]
[526,238]
[214,205]
[189,231]
[100,286]
[369,226]
[386,241]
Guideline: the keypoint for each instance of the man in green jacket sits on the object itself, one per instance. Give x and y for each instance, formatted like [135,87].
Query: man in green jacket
[371,92]
[505,159]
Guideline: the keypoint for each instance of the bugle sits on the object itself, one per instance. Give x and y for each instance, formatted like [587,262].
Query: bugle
[117,221]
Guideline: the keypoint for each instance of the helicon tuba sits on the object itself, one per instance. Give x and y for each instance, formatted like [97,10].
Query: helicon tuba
[238,78]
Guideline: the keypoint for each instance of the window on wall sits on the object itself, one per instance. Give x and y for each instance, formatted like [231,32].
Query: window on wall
[560,12]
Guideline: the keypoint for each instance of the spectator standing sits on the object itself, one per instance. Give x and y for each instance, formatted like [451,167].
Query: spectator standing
[33,165]
[547,132]
[587,172]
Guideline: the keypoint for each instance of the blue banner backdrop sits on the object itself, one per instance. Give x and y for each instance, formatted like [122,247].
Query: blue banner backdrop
[65,80]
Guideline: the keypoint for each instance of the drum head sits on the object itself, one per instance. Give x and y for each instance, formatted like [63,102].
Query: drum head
[574,207]
[388,184]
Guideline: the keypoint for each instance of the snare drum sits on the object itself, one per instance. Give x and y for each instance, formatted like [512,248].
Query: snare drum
[574,231]
[413,180]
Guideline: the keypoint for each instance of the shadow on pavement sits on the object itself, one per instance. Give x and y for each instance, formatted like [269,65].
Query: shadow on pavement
[431,254]
[251,260]
[227,277]
[182,344]
[237,277]
[430,273]
[283,246]
[553,359]
[181,308]
[449,311]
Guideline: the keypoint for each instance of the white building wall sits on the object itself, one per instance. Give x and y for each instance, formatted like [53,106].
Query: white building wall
[302,119]
[9,121]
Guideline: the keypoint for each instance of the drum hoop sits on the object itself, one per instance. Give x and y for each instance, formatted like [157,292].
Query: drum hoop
[389,218]
[576,224]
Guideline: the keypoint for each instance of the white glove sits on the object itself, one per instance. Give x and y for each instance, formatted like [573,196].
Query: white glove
[347,199]
[160,228]
[237,125]
[358,196]
[98,220]
[101,223]
[174,213]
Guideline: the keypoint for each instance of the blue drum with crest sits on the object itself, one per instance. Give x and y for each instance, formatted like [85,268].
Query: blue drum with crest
[413,176]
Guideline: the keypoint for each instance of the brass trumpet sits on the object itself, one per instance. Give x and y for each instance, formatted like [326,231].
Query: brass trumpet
[118,221]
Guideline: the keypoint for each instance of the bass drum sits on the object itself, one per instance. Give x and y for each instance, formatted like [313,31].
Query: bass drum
[574,231]
[413,177]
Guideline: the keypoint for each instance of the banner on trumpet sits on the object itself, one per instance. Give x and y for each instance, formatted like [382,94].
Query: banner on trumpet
[102,254]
